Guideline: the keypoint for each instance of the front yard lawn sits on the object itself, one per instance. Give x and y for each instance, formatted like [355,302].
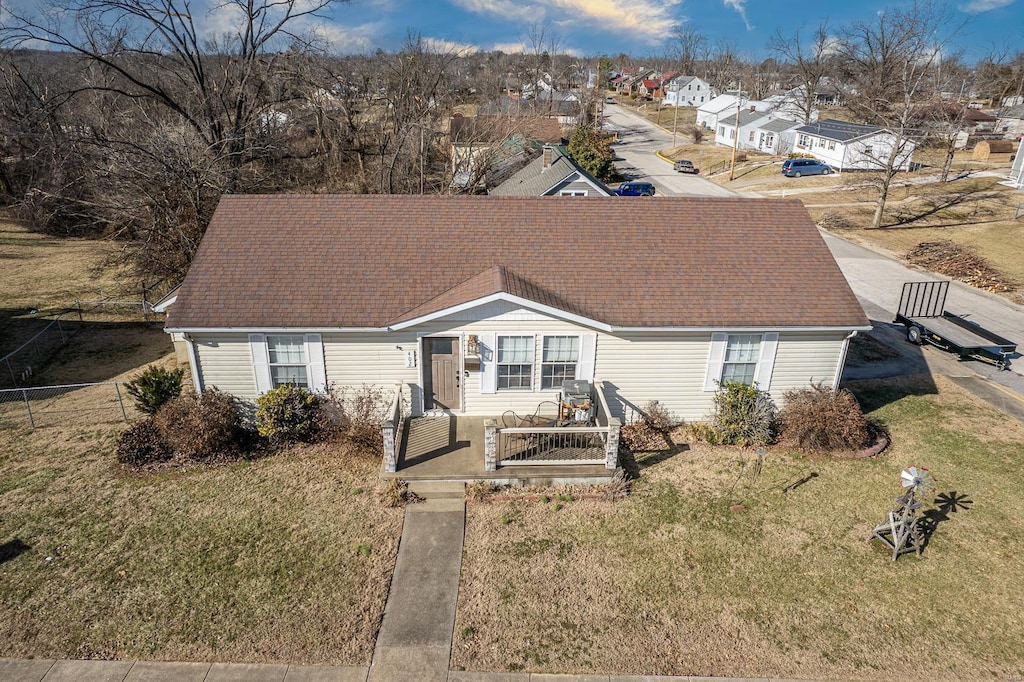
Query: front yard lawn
[282,559]
[671,582]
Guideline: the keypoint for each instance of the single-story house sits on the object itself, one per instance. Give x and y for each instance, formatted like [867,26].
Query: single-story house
[852,146]
[724,105]
[686,91]
[553,173]
[726,132]
[774,135]
[1011,122]
[473,306]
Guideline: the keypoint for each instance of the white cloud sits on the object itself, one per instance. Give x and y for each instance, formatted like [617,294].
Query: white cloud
[509,48]
[350,39]
[449,46]
[648,20]
[978,6]
[741,9]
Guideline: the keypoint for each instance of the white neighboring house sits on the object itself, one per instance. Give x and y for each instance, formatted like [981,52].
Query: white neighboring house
[1011,122]
[1016,178]
[726,132]
[723,105]
[686,91]
[851,146]
[773,135]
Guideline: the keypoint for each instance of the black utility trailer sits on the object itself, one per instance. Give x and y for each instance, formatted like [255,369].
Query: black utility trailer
[923,311]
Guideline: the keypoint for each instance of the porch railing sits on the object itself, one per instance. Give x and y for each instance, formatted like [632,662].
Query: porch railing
[392,428]
[555,445]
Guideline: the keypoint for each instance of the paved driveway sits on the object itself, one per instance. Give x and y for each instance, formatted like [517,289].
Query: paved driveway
[636,150]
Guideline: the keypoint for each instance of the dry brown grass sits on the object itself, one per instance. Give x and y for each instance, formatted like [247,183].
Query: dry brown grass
[672,582]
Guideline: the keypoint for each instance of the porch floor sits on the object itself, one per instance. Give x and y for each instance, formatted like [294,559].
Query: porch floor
[451,448]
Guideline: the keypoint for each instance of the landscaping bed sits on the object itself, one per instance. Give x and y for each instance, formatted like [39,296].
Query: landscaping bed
[671,582]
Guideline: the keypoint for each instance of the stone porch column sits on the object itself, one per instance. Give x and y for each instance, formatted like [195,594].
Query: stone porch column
[490,445]
[611,446]
[389,429]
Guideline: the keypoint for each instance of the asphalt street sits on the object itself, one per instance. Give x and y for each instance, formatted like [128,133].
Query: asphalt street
[637,158]
[876,278]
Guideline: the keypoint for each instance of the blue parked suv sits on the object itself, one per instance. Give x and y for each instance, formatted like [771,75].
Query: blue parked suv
[635,189]
[794,168]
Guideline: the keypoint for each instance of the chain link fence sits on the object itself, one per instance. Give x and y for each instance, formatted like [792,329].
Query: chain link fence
[86,403]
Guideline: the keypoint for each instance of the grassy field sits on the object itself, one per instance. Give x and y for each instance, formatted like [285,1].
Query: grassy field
[286,558]
[670,581]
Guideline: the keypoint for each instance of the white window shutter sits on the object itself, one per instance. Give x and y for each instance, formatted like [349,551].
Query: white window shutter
[588,355]
[488,363]
[317,368]
[716,358]
[766,363]
[260,362]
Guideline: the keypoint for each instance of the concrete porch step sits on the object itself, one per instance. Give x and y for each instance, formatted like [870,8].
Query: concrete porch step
[438,490]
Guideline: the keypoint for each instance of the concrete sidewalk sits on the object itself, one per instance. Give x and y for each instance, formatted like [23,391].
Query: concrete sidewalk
[415,638]
[13,670]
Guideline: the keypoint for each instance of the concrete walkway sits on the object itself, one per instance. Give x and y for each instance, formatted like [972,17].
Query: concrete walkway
[415,638]
[12,670]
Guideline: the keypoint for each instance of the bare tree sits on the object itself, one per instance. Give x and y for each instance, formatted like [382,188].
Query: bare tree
[686,47]
[889,61]
[809,57]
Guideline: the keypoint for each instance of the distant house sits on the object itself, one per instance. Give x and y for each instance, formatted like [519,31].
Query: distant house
[724,105]
[852,146]
[686,91]
[1011,122]
[477,142]
[554,173]
[563,106]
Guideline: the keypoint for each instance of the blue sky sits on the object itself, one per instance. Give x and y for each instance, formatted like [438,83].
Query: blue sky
[594,27]
[637,27]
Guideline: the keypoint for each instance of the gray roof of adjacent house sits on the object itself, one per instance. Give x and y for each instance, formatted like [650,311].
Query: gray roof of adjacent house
[1013,112]
[536,180]
[840,131]
[746,118]
[381,260]
[779,125]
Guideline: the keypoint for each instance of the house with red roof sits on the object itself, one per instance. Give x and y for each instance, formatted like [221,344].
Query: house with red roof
[535,325]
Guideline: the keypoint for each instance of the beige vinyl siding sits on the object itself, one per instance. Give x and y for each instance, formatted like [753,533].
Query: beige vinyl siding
[804,357]
[667,367]
[226,363]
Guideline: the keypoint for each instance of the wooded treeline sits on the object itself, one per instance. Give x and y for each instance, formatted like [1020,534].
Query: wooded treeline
[121,118]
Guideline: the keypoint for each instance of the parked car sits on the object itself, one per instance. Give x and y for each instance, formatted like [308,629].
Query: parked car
[684,166]
[794,168]
[635,189]
[609,99]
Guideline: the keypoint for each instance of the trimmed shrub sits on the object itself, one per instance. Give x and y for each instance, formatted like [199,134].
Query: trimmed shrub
[744,415]
[288,414]
[202,427]
[154,387]
[818,419]
[142,444]
[355,415]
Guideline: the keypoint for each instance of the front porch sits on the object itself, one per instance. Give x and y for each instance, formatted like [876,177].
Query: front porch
[451,447]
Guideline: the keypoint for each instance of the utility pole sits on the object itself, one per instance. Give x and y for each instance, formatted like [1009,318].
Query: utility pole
[736,134]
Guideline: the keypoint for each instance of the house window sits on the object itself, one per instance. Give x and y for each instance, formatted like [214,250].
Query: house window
[288,362]
[751,139]
[572,193]
[803,141]
[831,145]
[869,150]
[770,141]
[721,131]
[559,359]
[515,362]
[741,353]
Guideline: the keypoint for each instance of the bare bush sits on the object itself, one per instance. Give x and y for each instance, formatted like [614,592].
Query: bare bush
[204,427]
[355,414]
[818,419]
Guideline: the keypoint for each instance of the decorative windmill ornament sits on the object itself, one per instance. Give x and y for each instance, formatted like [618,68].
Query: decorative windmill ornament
[900,532]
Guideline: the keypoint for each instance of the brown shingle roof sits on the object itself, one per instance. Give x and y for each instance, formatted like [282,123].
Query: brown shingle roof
[323,261]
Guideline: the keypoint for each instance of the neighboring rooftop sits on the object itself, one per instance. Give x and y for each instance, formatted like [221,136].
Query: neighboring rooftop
[372,261]
[540,176]
[840,131]
[779,125]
